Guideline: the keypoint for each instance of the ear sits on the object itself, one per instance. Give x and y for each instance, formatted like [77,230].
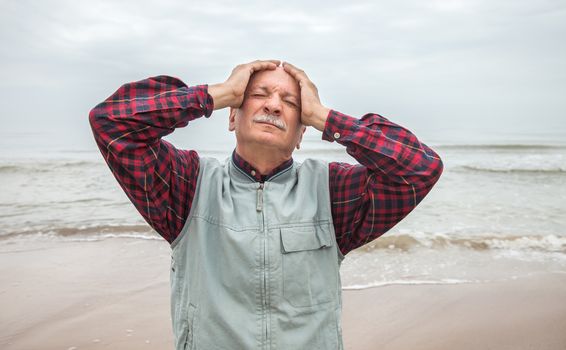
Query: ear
[232,119]
[301,137]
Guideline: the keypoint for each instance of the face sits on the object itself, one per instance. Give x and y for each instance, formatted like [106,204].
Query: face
[270,115]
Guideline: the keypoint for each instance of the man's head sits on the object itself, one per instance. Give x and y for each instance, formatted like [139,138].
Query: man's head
[270,114]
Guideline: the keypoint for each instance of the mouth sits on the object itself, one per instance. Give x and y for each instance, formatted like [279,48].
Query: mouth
[270,124]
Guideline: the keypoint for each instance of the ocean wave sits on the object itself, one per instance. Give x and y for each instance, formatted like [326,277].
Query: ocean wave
[39,204]
[500,146]
[86,233]
[409,282]
[46,166]
[555,170]
[406,242]
[100,237]
[403,241]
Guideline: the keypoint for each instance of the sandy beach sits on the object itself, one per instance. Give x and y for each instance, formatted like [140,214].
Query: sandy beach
[114,294]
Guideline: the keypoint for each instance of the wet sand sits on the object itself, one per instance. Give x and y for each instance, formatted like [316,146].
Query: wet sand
[114,294]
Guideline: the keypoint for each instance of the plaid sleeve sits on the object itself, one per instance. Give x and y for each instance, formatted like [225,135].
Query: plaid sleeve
[128,126]
[395,173]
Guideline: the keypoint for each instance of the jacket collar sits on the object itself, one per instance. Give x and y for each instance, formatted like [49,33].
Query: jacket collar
[254,175]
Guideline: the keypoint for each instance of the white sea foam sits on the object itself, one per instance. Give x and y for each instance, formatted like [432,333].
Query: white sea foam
[100,237]
[409,282]
[550,243]
[406,241]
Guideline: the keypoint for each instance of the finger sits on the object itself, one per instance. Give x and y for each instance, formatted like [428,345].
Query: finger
[297,73]
[272,61]
[277,62]
[263,64]
[268,62]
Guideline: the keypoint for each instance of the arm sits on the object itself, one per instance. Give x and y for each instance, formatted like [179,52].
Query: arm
[395,173]
[128,126]
[159,179]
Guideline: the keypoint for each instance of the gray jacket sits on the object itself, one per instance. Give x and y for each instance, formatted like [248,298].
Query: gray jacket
[256,265]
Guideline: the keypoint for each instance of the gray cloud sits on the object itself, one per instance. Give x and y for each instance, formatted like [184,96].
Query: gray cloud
[436,67]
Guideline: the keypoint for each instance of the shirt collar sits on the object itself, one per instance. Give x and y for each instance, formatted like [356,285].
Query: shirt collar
[253,173]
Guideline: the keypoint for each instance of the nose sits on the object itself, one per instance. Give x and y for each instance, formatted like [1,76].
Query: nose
[272,105]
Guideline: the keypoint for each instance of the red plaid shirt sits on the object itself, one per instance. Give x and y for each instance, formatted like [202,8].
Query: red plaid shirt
[395,173]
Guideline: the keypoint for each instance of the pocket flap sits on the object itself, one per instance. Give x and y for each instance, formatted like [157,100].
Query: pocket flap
[294,239]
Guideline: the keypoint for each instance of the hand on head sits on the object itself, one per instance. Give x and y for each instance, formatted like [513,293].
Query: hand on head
[231,93]
[311,107]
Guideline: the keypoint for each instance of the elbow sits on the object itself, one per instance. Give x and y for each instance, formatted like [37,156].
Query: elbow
[434,168]
[431,176]
[96,117]
[437,170]
[92,117]
[424,187]
[432,180]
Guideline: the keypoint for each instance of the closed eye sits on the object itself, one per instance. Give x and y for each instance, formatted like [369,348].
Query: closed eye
[292,103]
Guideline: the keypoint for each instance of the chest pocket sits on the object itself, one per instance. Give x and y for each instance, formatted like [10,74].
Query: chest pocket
[309,265]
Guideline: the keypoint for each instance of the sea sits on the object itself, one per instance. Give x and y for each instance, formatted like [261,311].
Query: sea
[497,213]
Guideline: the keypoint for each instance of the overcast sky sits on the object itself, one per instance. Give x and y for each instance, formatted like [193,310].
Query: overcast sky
[450,71]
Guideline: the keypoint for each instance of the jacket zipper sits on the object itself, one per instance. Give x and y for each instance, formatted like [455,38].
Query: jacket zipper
[259,201]
[259,209]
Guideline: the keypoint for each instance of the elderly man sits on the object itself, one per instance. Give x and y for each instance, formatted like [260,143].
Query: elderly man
[257,241]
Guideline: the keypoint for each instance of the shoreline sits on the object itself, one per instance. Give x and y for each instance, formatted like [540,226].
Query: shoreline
[114,294]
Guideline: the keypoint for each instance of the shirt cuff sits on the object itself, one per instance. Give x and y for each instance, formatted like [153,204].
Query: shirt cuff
[339,127]
[204,99]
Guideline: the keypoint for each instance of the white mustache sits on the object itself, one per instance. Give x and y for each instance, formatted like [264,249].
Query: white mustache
[270,119]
